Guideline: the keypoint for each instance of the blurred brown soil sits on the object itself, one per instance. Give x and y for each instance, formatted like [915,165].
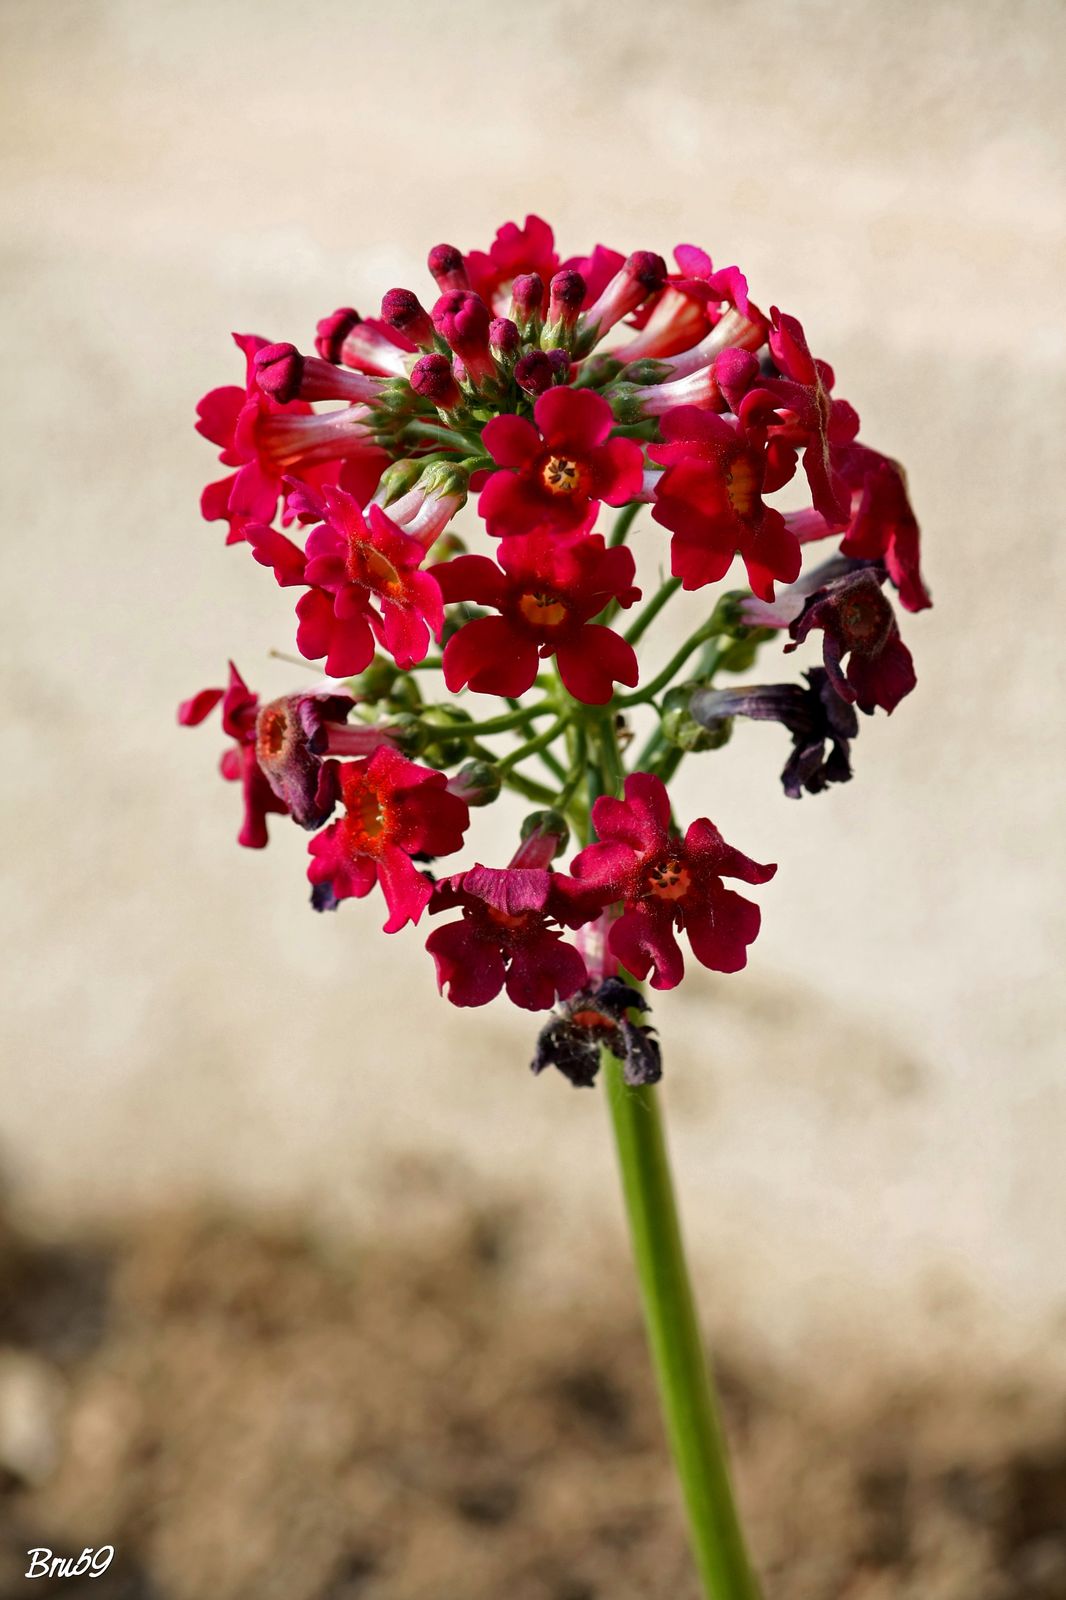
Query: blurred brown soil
[248,1413]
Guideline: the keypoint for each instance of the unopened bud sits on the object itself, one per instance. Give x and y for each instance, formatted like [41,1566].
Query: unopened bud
[433,380]
[448,267]
[401,309]
[566,297]
[545,835]
[534,372]
[477,782]
[504,338]
[527,301]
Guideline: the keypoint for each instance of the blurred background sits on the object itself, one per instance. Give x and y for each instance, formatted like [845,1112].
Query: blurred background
[308,1288]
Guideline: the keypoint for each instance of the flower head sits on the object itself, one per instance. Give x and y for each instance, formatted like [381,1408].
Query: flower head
[546,590]
[665,883]
[394,810]
[555,469]
[507,937]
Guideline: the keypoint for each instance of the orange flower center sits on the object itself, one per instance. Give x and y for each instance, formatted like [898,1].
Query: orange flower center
[368,566]
[742,486]
[670,880]
[272,733]
[542,610]
[367,822]
[561,475]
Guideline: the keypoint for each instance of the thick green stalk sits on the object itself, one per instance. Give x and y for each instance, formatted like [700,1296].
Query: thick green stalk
[685,1385]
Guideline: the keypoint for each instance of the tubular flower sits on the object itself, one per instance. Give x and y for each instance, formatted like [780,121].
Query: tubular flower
[883,526]
[665,883]
[692,302]
[816,717]
[394,810]
[508,937]
[589,1022]
[711,498]
[239,765]
[293,735]
[858,622]
[266,439]
[555,469]
[546,590]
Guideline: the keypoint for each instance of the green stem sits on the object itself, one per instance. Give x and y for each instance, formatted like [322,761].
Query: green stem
[514,719]
[648,691]
[652,609]
[532,746]
[685,1385]
[623,522]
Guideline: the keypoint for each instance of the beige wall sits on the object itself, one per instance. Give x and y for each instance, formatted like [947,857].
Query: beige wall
[870,1122]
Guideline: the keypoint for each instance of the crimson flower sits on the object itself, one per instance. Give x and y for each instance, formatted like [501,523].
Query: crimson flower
[552,474]
[688,307]
[664,883]
[711,498]
[507,937]
[858,622]
[239,765]
[546,591]
[393,809]
[883,527]
[803,394]
[365,584]
[513,253]
[265,439]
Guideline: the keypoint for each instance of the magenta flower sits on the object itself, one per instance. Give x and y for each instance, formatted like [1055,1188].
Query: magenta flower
[239,765]
[711,498]
[365,584]
[554,473]
[546,590]
[507,937]
[393,809]
[666,883]
[515,252]
[883,527]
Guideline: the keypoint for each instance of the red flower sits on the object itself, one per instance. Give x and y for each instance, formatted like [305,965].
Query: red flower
[803,394]
[365,584]
[883,527]
[394,809]
[858,622]
[666,882]
[513,253]
[238,765]
[688,307]
[265,439]
[710,497]
[507,936]
[554,472]
[546,590]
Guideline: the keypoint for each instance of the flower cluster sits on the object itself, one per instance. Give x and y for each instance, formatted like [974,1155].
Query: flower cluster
[540,391]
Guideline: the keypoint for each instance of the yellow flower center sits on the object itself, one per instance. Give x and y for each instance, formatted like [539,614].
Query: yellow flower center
[741,487]
[561,475]
[670,880]
[542,610]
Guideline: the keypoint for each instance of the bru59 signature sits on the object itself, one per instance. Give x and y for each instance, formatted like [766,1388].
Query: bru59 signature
[90,1564]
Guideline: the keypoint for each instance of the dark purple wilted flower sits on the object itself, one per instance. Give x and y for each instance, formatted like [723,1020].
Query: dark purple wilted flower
[858,622]
[815,717]
[573,1039]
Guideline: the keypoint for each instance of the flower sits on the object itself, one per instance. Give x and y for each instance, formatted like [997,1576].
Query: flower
[394,809]
[507,937]
[293,734]
[591,1021]
[665,882]
[711,498]
[804,395]
[555,469]
[688,307]
[515,252]
[238,765]
[546,591]
[364,584]
[858,622]
[883,526]
[816,717]
[266,439]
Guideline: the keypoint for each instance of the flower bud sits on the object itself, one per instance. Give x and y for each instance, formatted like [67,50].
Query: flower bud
[401,309]
[432,379]
[333,330]
[503,338]
[566,297]
[448,267]
[476,782]
[463,319]
[527,300]
[545,835]
[534,372]
[643,274]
